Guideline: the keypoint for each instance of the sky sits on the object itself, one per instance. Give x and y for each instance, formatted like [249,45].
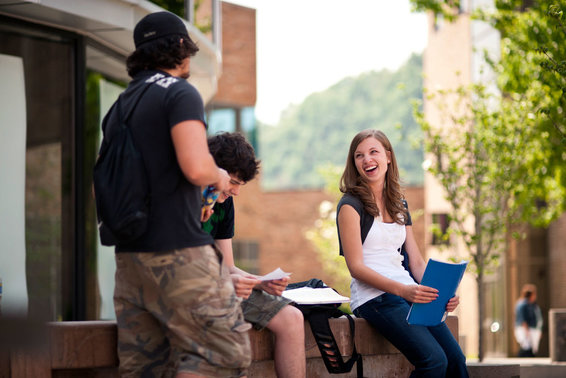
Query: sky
[306,46]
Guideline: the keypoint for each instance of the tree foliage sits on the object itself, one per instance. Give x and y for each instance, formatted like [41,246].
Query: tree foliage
[474,150]
[447,9]
[319,130]
[178,7]
[531,70]
[502,161]
[324,237]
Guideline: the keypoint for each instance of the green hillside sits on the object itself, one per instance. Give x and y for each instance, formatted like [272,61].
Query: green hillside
[318,131]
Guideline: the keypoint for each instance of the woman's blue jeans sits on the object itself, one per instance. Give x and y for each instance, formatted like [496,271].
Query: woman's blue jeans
[432,350]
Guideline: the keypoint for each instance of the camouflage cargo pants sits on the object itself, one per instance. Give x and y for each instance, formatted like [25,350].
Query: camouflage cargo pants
[178,312]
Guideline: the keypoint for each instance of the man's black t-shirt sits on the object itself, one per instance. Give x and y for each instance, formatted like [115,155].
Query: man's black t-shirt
[174,217]
[221,222]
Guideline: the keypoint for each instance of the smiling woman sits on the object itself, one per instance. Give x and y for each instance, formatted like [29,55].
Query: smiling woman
[372,159]
[372,174]
[382,289]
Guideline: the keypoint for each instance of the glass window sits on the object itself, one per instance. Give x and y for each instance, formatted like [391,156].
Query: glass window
[234,120]
[12,201]
[221,120]
[247,120]
[108,93]
[38,132]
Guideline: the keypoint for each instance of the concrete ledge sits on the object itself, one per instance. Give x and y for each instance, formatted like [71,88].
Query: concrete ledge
[380,358]
[79,345]
[88,349]
[551,370]
[489,370]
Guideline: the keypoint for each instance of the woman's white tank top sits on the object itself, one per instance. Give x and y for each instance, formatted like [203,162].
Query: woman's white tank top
[382,253]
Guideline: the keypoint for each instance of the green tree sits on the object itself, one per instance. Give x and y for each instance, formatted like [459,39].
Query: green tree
[473,156]
[324,237]
[318,131]
[510,159]
[178,7]
[531,68]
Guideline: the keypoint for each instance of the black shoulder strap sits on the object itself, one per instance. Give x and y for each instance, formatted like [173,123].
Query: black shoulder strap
[123,120]
[320,327]
[317,315]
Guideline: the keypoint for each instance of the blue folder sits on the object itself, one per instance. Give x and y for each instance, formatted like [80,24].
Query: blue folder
[445,277]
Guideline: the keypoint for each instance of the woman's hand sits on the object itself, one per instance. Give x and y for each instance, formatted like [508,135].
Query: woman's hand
[419,293]
[453,303]
[244,284]
[275,287]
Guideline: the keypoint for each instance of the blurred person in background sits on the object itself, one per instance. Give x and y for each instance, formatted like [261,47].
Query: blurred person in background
[528,321]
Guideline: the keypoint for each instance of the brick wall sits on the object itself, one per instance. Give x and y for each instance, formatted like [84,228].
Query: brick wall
[278,222]
[416,200]
[237,85]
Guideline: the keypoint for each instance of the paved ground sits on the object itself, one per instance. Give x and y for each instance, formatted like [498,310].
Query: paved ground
[537,367]
[517,360]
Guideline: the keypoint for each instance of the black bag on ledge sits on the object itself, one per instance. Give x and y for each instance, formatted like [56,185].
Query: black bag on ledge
[317,315]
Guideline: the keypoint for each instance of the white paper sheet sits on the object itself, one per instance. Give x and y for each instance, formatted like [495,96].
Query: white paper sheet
[277,274]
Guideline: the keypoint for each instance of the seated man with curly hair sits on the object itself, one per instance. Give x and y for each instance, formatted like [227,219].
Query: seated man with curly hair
[263,305]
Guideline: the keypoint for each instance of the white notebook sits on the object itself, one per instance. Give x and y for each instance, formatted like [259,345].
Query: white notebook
[311,295]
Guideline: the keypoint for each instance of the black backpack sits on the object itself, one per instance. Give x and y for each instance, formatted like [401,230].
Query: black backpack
[317,315]
[121,187]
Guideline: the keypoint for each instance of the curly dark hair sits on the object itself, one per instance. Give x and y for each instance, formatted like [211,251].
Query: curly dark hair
[165,52]
[232,152]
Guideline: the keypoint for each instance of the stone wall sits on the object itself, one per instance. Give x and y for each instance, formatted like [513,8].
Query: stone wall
[237,85]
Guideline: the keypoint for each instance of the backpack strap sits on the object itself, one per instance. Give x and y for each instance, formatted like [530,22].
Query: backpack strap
[317,315]
[121,119]
[320,327]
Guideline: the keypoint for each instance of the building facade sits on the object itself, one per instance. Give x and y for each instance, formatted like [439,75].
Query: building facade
[453,58]
[62,65]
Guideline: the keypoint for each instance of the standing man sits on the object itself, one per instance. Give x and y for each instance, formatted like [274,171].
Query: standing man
[176,308]
[263,304]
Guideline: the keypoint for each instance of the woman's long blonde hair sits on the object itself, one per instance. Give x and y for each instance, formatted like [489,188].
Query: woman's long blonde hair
[353,183]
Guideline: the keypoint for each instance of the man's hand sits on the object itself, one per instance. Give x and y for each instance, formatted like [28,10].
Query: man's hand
[206,214]
[244,284]
[223,180]
[275,287]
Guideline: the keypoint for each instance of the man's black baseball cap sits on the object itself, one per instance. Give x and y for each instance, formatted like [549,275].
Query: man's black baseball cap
[157,25]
